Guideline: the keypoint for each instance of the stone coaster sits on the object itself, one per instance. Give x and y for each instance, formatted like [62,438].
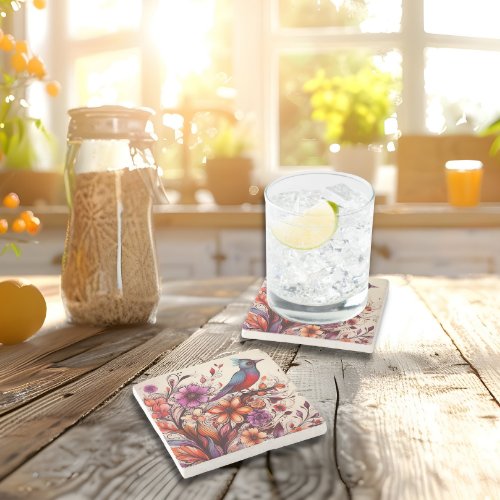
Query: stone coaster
[226,410]
[356,334]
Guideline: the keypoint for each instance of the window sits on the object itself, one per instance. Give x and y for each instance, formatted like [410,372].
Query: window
[444,51]
[256,55]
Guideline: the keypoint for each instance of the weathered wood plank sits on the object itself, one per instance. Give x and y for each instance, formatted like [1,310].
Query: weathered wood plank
[133,463]
[308,469]
[413,421]
[69,363]
[62,355]
[21,384]
[468,311]
[26,430]
[61,413]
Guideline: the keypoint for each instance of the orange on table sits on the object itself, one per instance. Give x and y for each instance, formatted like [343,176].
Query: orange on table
[39,4]
[11,200]
[7,42]
[19,61]
[36,67]
[23,311]
[53,88]
[4,226]
[18,226]
[33,225]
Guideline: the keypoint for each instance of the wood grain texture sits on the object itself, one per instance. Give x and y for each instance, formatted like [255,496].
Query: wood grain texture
[128,467]
[61,355]
[413,420]
[75,372]
[47,417]
[469,313]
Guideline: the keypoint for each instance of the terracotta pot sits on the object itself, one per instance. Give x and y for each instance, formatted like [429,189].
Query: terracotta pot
[357,160]
[229,179]
[34,188]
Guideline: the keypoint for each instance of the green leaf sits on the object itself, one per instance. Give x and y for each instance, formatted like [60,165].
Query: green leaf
[11,246]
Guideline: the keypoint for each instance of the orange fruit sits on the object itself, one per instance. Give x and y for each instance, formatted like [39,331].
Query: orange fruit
[33,225]
[22,46]
[27,215]
[11,200]
[7,43]
[4,226]
[39,4]
[53,88]
[36,67]
[18,226]
[19,62]
[23,311]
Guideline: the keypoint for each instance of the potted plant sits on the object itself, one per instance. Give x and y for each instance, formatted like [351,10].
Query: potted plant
[26,147]
[228,166]
[353,109]
[493,129]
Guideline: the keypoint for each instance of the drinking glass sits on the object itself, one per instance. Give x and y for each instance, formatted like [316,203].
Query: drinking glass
[318,242]
[463,178]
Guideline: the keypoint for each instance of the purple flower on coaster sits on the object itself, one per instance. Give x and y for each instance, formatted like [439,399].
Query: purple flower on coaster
[227,410]
[259,418]
[192,395]
[150,388]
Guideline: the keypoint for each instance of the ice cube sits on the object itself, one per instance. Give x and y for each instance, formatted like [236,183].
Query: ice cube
[343,191]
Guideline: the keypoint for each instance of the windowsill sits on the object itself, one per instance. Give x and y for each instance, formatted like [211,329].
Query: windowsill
[392,216]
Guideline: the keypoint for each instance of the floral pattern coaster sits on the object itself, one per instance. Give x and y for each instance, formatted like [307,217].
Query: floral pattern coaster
[356,334]
[224,411]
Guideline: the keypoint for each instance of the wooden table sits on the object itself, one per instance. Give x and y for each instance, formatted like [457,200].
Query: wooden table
[417,419]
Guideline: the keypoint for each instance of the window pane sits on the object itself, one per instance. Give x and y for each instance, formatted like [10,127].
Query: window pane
[461,84]
[195,51]
[108,78]
[302,139]
[366,16]
[463,17]
[92,18]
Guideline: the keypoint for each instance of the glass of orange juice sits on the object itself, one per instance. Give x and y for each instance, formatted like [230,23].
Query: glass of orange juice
[464,182]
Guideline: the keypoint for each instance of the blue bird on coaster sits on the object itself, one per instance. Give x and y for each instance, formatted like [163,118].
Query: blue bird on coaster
[244,378]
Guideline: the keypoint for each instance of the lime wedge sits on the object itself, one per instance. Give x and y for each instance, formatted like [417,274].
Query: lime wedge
[311,229]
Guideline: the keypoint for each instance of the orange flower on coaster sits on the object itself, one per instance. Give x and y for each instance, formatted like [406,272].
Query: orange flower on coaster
[311,331]
[230,410]
[252,436]
[195,417]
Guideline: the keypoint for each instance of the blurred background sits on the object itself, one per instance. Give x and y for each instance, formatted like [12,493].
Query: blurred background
[277,86]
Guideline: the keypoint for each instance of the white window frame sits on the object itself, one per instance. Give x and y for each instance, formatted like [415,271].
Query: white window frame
[260,42]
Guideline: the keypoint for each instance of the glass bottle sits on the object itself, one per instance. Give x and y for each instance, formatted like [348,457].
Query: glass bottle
[110,274]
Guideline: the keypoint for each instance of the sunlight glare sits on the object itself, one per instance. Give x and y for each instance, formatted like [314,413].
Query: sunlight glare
[182,37]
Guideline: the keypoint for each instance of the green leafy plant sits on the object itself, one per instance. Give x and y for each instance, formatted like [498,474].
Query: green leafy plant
[353,107]
[229,139]
[494,130]
[22,136]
